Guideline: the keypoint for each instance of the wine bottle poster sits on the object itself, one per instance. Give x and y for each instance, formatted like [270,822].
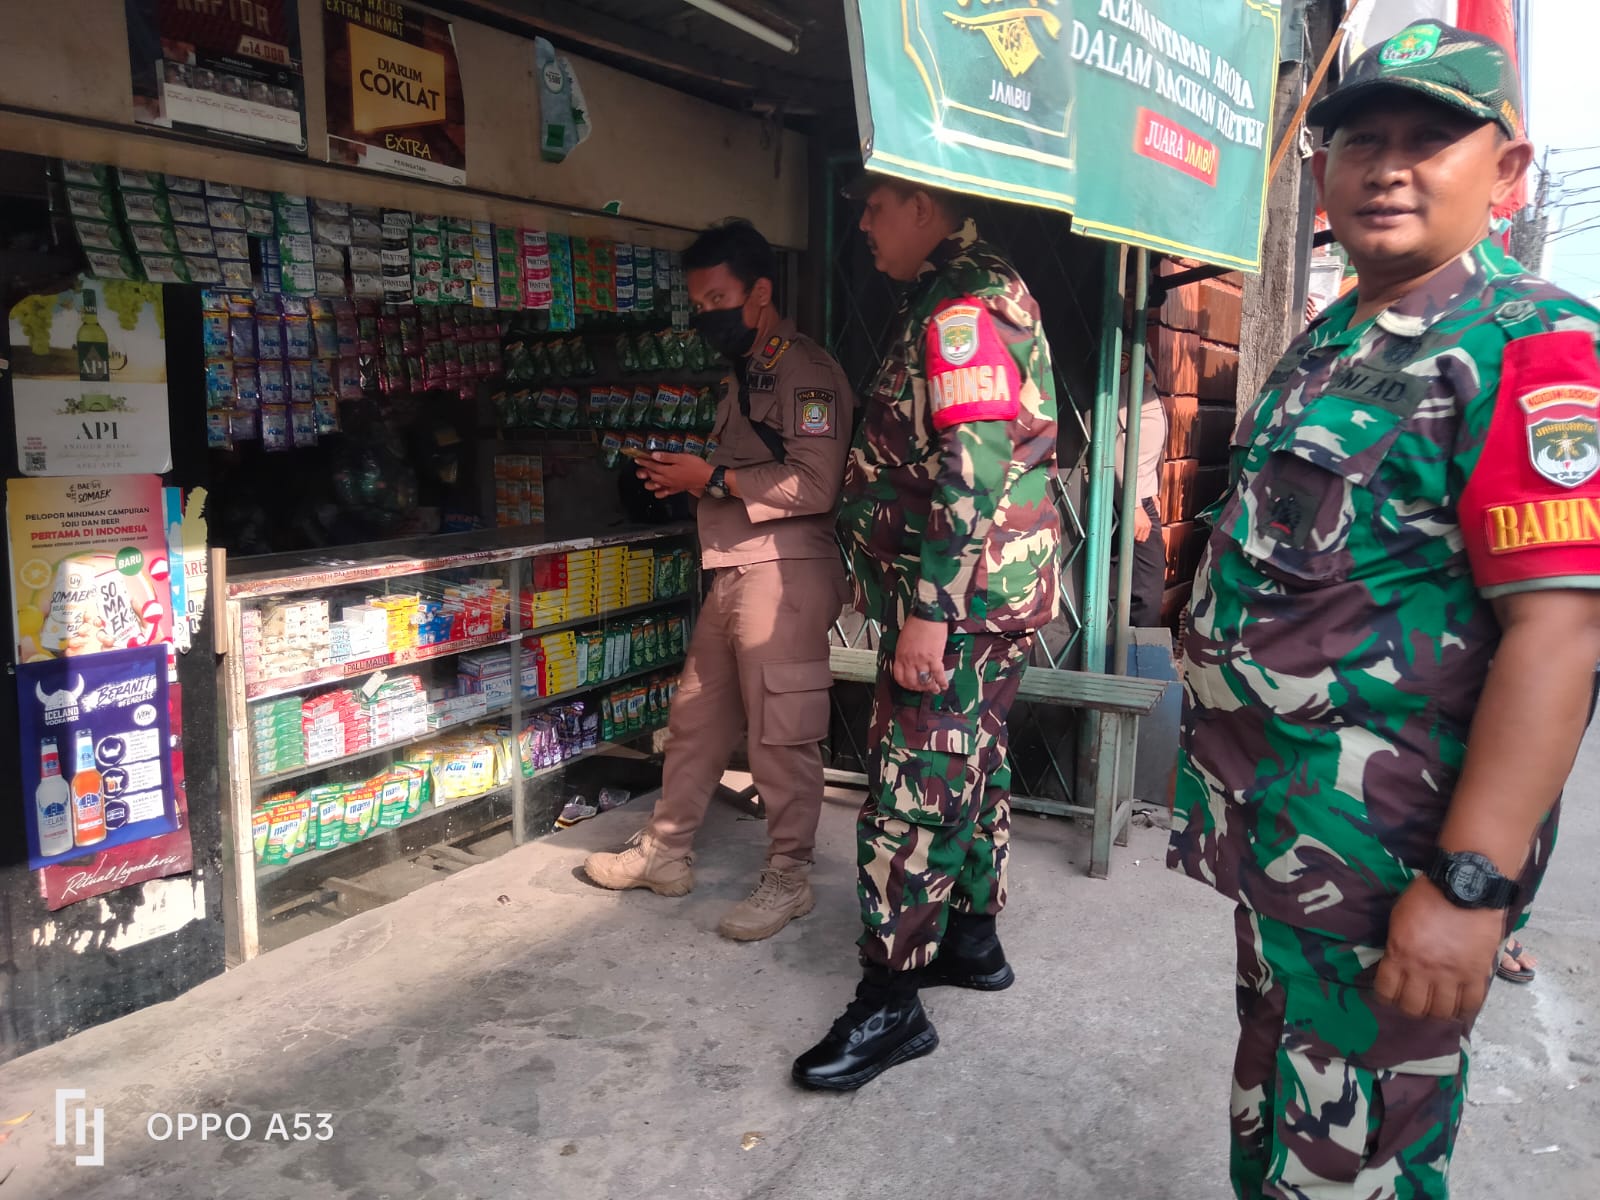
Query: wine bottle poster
[89,567]
[89,380]
[96,737]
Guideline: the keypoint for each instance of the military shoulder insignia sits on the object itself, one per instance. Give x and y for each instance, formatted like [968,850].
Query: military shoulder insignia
[1563,425]
[815,407]
[771,352]
[971,373]
[958,333]
[1530,510]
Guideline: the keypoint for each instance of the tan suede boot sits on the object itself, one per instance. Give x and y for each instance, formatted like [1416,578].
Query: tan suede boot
[644,864]
[783,894]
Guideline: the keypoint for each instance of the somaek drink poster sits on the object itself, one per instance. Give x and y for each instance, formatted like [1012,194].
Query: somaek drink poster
[89,565]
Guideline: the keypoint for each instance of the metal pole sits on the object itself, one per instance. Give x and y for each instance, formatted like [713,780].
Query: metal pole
[1130,466]
[1102,464]
[830,204]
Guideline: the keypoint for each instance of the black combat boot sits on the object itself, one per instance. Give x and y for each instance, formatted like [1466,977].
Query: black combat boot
[970,956]
[883,1025]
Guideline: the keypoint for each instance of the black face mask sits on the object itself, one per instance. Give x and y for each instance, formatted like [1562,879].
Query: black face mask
[724,330]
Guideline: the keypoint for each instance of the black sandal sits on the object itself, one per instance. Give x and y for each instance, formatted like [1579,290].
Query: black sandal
[1520,974]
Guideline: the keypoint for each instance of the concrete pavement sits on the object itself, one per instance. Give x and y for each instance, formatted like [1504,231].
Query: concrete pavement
[512,1031]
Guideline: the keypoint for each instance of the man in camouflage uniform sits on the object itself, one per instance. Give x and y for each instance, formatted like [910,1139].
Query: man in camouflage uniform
[1392,638]
[952,536]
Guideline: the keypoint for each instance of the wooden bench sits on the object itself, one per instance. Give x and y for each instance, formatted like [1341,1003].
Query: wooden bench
[1105,759]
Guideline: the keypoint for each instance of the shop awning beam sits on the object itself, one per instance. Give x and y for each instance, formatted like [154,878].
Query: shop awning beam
[1167,283]
[561,19]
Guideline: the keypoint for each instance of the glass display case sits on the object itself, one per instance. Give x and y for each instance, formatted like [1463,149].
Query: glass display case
[416,697]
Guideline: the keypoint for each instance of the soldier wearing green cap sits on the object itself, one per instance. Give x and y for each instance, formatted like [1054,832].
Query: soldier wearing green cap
[952,536]
[1392,637]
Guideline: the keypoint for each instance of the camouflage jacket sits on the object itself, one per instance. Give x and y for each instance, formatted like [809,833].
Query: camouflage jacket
[1341,629]
[947,510]
[1341,626]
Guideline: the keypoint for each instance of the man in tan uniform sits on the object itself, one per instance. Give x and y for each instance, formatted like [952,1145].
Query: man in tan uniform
[759,656]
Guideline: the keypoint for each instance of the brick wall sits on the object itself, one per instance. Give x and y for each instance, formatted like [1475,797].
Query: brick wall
[1195,337]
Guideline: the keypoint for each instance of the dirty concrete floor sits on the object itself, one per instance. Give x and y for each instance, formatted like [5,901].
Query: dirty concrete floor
[513,1032]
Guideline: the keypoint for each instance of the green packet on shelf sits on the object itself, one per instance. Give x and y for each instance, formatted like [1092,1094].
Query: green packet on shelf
[327,808]
[393,795]
[419,777]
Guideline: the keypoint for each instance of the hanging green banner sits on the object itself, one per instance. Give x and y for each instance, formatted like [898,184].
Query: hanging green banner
[1149,122]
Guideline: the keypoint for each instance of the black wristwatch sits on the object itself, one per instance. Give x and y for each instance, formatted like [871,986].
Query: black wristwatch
[716,487]
[1470,880]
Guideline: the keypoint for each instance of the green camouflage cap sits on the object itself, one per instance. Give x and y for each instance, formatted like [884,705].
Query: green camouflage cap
[1465,71]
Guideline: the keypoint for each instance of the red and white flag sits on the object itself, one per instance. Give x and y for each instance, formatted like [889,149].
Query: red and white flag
[1374,21]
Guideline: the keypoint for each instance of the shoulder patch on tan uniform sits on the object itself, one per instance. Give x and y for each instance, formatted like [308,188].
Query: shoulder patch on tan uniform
[815,412]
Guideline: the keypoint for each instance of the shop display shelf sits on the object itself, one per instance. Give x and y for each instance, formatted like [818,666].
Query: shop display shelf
[265,874]
[529,704]
[533,703]
[266,781]
[612,614]
[282,685]
[287,574]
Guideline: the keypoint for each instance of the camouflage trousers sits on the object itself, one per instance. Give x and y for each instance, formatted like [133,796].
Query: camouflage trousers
[934,832]
[1336,1095]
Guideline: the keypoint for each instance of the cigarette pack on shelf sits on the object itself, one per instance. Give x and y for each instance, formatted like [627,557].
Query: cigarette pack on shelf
[396,710]
[457,709]
[518,489]
[403,614]
[286,638]
[91,195]
[639,577]
[277,740]
[361,632]
[487,672]
[336,724]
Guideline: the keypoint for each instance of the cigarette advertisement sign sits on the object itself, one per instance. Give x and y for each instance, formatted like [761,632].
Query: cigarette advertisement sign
[95,736]
[394,90]
[226,69]
[1149,122]
[89,380]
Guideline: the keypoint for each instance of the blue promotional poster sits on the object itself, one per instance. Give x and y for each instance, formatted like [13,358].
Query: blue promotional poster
[95,736]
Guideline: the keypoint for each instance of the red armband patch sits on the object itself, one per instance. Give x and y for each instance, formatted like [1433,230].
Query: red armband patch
[971,374]
[1532,507]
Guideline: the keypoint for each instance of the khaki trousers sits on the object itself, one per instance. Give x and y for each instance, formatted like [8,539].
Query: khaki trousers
[758,660]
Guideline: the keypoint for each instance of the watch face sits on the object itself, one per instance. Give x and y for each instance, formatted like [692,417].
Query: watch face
[1469,880]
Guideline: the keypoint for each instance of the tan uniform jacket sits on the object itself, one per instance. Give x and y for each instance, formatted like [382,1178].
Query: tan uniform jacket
[783,510]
